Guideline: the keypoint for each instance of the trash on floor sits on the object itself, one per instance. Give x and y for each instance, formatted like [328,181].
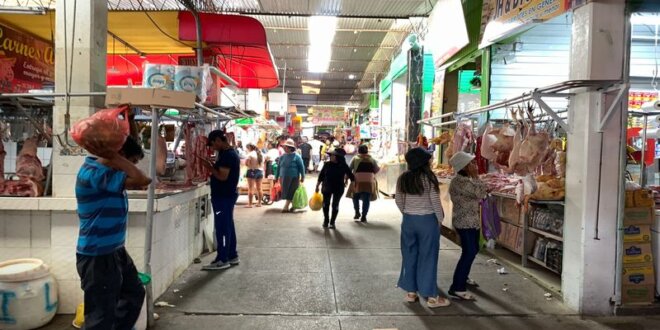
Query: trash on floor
[548,295]
[492,261]
[176,290]
[156,316]
[505,289]
[502,271]
[163,304]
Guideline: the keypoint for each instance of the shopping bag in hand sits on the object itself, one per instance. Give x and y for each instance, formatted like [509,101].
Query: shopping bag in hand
[105,131]
[316,202]
[300,198]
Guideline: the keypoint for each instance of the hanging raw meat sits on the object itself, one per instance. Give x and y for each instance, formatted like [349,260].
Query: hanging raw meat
[161,155]
[28,165]
[548,166]
[463,139]
[442,138]
[534,147]
[515,166]
[487,141]
[23,188]
[503,145]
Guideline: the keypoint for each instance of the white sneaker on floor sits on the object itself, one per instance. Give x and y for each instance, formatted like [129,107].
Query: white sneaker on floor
[217,265]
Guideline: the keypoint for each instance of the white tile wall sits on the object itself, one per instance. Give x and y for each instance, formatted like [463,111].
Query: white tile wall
[136,231]
[40,229]
[45,254]
[67,164]
[3,238]
[44,155]
[64,185]
[8,253]
[63,263]
[64,230]
[17,229]
[10,157]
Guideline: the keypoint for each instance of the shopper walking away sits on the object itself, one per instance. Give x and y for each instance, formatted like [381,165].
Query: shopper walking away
[254,174]
[364,168]
[109,279]
[417,197]
[224,193]
[291,173]
[333,177]
[305,153]
[466,191]
[316,153]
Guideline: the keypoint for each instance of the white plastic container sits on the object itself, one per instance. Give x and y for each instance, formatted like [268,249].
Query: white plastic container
[28,294]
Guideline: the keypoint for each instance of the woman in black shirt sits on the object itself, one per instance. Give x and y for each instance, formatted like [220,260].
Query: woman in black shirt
[333,176]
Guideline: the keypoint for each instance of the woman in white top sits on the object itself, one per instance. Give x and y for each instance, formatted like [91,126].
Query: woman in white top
[417,196]
[254,174]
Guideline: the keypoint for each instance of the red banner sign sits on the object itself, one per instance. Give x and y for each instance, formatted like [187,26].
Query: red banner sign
[26,62]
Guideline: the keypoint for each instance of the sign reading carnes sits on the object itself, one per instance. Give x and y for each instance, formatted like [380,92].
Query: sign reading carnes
[504,18]
[26,62]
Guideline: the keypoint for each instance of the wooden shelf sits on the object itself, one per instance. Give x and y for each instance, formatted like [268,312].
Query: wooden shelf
[542,264]
[546,234]
[546,202]
[510,222]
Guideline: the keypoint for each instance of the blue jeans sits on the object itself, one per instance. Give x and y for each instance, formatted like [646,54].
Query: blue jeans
[366,201]
[225,232]
[470,248]
[420,245]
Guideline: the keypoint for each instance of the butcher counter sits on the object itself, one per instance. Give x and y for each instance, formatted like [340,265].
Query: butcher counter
[47,228]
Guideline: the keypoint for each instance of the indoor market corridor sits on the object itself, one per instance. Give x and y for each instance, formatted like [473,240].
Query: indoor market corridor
[296,275]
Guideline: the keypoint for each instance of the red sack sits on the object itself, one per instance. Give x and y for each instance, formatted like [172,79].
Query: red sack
[107,128]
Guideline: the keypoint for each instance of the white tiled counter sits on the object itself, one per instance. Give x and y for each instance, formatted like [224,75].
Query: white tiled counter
[47,228]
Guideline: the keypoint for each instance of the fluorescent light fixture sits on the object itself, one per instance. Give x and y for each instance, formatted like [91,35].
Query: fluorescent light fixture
[645,19]
[310,90]
[321,34]
[22,10]
[311,82]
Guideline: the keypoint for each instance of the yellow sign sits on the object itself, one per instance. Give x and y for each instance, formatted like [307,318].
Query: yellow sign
[508,17]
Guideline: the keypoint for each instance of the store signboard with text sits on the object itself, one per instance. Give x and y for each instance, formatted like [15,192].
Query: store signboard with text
[26,62]
[504,18]
[332,116]
[447,32]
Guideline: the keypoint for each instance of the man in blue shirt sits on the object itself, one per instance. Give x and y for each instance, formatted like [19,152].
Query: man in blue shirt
[113,292]
[224,193]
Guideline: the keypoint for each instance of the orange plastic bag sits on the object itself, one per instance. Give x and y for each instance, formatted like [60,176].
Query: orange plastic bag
[316,202]
[105,130]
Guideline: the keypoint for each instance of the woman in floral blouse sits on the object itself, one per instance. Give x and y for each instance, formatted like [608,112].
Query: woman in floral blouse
[466,191]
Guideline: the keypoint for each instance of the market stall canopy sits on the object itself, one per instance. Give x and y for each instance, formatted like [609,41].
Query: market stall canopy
[238,45]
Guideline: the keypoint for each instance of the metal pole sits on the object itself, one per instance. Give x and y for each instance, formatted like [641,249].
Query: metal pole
[151,194]
[198,28]
[642,165]
[623,162]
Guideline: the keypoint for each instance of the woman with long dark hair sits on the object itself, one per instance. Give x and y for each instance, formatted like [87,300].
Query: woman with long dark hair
[255,173]
[418,198]
[333,177]
[466,191]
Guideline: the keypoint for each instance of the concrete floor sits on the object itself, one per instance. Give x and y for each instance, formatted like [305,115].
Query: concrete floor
[296,275]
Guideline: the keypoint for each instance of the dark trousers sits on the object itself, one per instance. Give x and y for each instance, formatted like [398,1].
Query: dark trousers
[306,164]
[225,231]
[333,197]
[113,291]
[469,250]
[365,197]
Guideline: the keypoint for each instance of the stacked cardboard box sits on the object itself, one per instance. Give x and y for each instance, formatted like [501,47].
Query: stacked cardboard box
[638,285]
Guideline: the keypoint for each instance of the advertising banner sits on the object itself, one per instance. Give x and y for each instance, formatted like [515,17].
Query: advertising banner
[328,116]
[508,17]
[447,32]
[26,62]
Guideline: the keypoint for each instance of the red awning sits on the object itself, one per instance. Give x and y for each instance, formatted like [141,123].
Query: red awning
[238,45]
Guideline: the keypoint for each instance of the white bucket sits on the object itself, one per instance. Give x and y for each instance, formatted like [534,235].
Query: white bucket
[28,294]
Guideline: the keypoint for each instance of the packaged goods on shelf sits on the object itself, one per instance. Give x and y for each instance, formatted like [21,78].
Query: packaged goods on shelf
[635,253]
[638,274]
[554,256]
[638,216]
[539,248]
[159,76]
[637,294]
[637,234]
[547,220]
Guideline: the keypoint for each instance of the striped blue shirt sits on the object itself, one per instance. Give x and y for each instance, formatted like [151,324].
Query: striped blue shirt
[102,208]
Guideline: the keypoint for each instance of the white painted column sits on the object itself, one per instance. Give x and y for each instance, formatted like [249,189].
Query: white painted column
[84,32]
[589,265]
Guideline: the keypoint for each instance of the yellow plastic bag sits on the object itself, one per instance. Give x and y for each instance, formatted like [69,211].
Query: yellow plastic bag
[316,202]
[79,320]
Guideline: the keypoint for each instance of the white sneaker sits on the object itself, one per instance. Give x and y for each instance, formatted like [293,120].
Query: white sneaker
[217,265]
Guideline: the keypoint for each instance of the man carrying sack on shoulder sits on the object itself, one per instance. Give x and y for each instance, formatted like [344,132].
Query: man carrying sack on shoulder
[364,168]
